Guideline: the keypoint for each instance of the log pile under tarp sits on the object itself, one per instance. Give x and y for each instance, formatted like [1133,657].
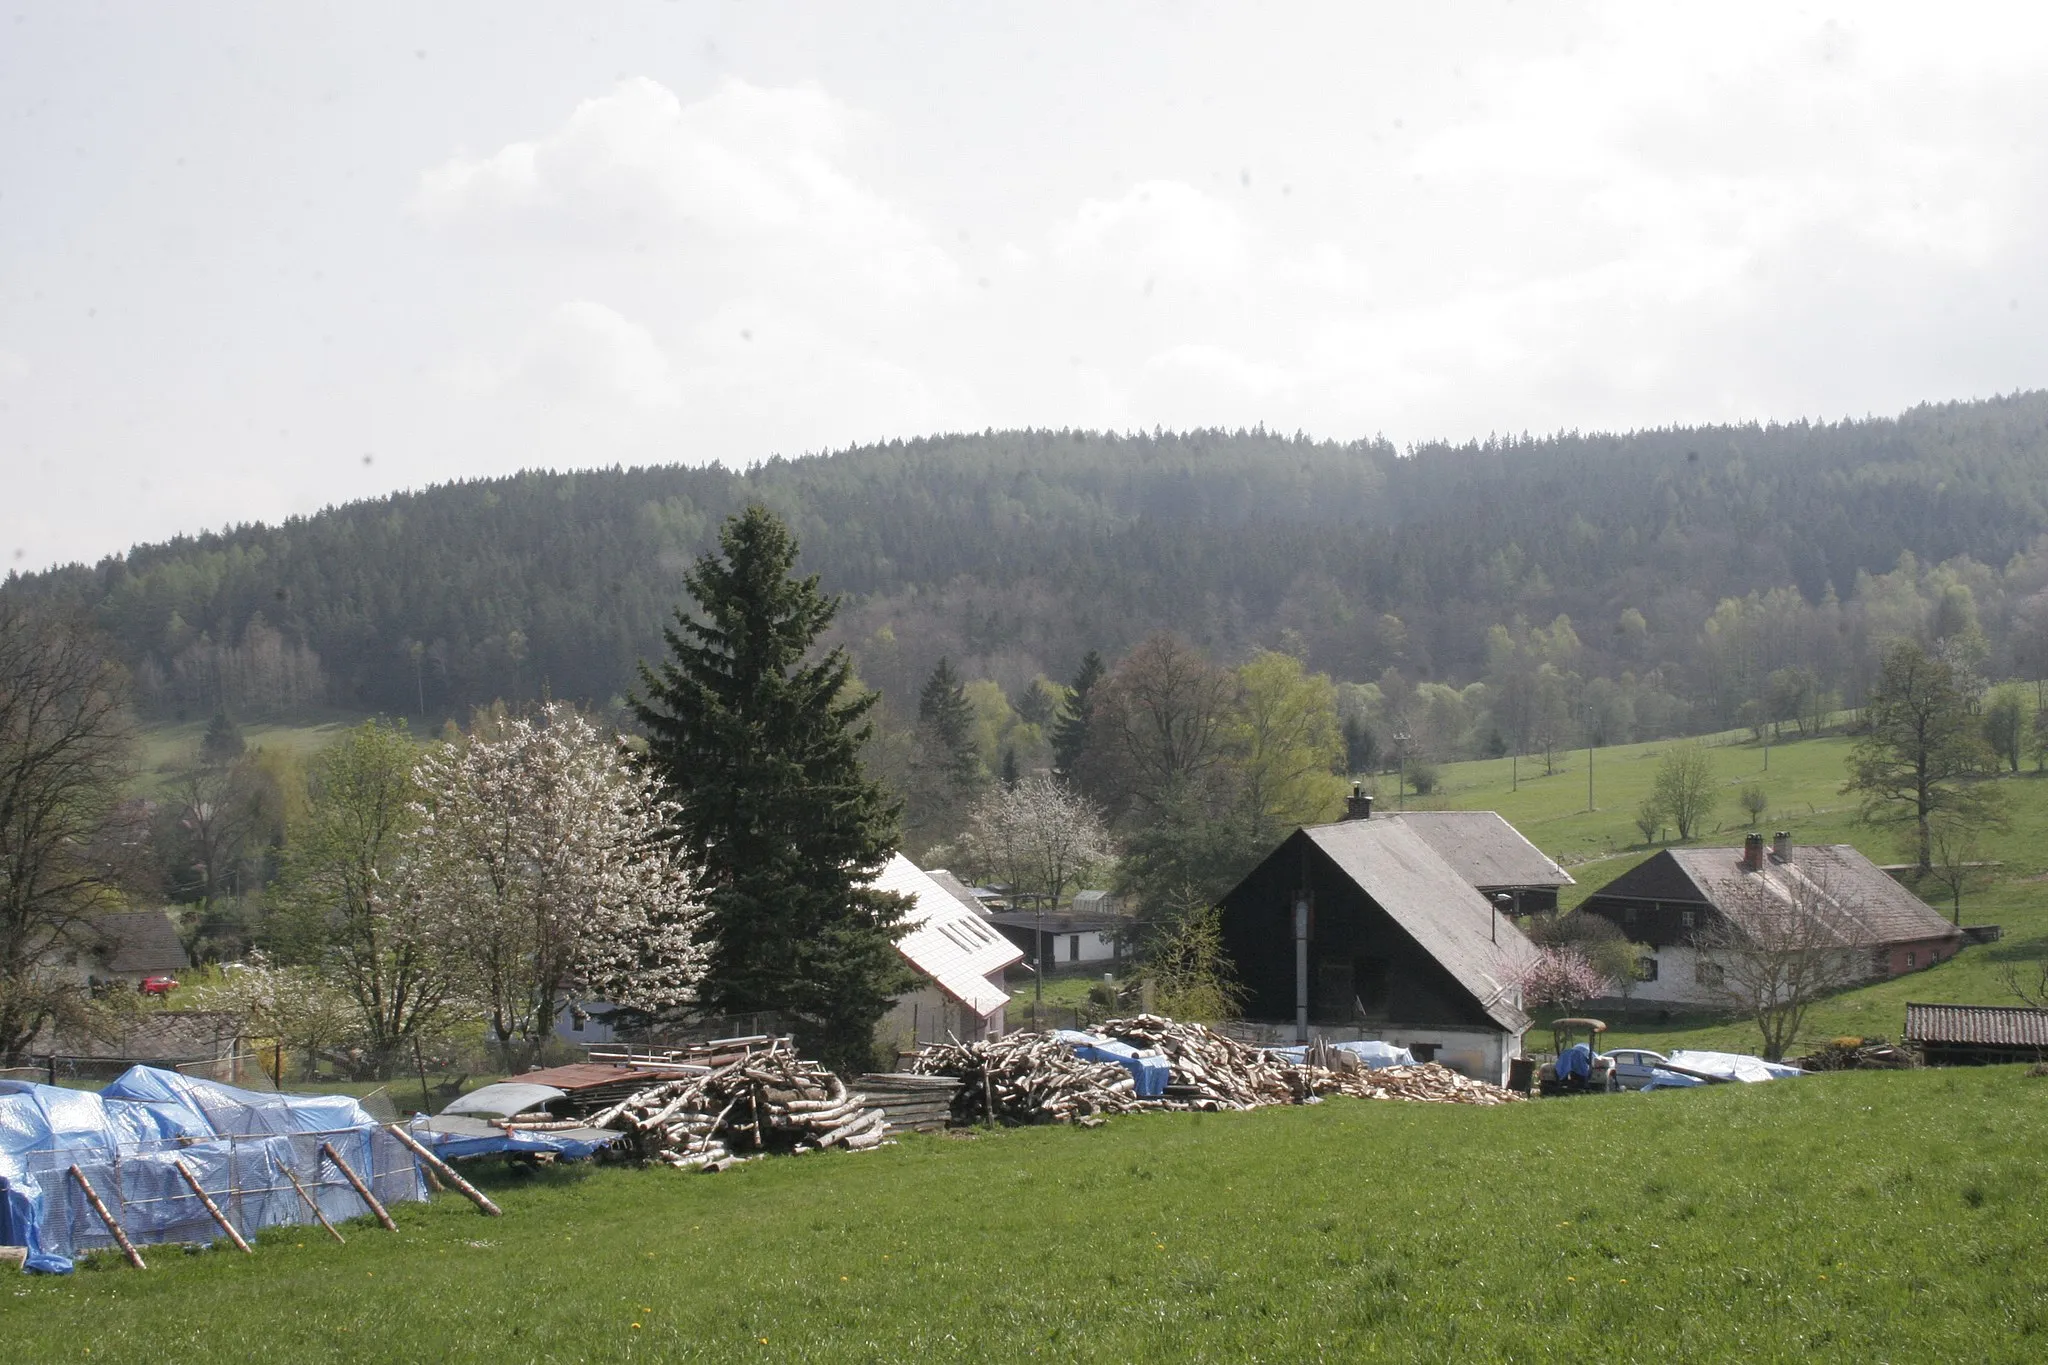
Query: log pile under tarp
[1035,1078]
[770,1100]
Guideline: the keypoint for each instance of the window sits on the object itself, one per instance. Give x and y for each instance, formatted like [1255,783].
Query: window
[1708,973]
[1646,969]
[1628,914]
[1424,1052]
[1073,947]
[1685,919]
[1912,959]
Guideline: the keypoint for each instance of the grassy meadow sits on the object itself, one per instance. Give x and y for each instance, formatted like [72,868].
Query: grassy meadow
[1853,1217]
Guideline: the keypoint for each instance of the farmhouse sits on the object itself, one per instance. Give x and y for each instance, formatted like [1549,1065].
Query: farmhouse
[959,958]
[125,946]
[1672,899]
[1363,930]
[1488,852]
[1977,1035]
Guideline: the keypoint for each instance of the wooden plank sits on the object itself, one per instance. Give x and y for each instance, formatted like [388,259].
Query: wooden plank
[113,1225]
[211,1207]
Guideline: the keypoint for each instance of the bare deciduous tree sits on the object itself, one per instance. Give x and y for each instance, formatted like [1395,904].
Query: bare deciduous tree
[1781,944]
[1685,788]
[64,755]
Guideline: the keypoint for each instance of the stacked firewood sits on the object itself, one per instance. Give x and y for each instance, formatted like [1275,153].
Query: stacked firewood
[1029,1078]
[1035,1078]
[769,1101]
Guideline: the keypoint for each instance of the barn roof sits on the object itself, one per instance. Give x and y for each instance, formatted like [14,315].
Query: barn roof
[1436,906]
[1484,849]
[1863,906]
[947,941]
[139,941]
[1980,1025]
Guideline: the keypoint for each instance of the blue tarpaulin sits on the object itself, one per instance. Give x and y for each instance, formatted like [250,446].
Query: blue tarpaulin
[1149,1070]
[129,1139]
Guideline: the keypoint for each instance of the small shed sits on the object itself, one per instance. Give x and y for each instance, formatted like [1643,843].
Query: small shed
[1977,1035]
[960,959]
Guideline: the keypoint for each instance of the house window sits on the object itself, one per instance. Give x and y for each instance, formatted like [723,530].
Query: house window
[1685,919]
[1912,959]
[1646,969]
[1708,973]
[1628,914]
[1424,1052]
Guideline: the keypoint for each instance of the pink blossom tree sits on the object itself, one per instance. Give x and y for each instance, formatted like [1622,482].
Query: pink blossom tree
[1562,979]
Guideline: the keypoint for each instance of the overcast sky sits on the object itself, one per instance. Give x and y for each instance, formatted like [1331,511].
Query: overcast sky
[256,259]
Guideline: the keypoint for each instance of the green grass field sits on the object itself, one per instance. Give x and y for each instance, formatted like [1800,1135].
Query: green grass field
[1855,1217]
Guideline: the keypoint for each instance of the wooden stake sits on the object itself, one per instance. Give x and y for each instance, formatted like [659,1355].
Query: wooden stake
[99,1207]
[211,1207]
[437,1166]
[332,1231]
[362,1190]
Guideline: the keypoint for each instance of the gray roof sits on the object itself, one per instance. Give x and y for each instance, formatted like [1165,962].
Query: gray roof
[1485,850]
[957,889]
[1864,907]
[1437,907]
[1983,1025]
[139,941]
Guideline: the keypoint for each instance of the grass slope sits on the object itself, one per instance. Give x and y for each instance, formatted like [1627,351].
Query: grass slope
[1854,1217]
[1804,781]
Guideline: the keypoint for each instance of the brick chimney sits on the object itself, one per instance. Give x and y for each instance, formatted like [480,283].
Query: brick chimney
[1753,853]
[1781,846]
[1358,806]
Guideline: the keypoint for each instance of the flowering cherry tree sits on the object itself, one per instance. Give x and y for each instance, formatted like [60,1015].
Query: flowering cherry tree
[542,856]
[1560,978]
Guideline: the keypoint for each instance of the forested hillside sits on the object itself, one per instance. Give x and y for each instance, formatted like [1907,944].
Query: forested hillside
[1015,552]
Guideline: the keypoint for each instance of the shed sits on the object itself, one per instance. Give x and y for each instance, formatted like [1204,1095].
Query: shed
[1069,939]
[1977,1035]
[1362,930]
[960,959]
[1669,900]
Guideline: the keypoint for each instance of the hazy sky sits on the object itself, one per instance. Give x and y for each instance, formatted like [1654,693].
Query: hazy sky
[255,259]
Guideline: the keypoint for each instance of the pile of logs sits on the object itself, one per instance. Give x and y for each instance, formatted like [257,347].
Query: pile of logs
[1858,1054]
[1029,1078]
[768,1101]
[1034,1078]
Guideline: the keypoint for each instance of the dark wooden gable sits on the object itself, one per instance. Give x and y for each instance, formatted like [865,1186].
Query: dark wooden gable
[1655,902]
[1363,966]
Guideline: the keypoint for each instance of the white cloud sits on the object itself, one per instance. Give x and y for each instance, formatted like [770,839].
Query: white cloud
[747,179]
[1158,232]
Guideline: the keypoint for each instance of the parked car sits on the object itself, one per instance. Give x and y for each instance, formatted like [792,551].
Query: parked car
[159,986]
[1635,1067]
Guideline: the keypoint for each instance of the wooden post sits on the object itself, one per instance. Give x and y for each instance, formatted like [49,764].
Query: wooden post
[444,1170]
[99,1207]
[211,1207]
[361,1189]
[332,1231]
[419,1062]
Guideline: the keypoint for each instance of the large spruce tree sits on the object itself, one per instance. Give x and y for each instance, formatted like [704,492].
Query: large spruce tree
[761,745]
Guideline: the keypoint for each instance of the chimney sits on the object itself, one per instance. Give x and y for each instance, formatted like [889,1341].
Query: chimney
[1358,806]
[1753,853]
[1781,846]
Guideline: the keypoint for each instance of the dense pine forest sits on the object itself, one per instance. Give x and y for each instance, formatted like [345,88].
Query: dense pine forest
[1684,568]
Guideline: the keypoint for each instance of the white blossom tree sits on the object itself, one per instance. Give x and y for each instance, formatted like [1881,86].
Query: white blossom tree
[1039,836]
[542,854]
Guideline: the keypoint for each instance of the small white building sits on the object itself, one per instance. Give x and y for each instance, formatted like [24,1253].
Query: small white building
[960,958]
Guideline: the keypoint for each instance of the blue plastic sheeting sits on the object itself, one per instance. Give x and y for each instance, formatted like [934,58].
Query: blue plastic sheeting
[1575,1063]
[1150,1071]
[1660,1079]
[454,1136]
[128,1140]
[1374,1054]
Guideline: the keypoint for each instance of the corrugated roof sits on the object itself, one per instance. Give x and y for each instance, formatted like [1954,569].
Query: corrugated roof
[140,941]
[1981,1025]
[947,941]
[1436,906]
[1483,848]
[1862,906]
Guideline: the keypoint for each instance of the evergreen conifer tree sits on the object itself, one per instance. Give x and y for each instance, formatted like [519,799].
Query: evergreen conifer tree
[948,720]
[762,750]
[1070,727]
[223,743]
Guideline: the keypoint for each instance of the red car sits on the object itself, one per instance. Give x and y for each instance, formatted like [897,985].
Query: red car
[159,986]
